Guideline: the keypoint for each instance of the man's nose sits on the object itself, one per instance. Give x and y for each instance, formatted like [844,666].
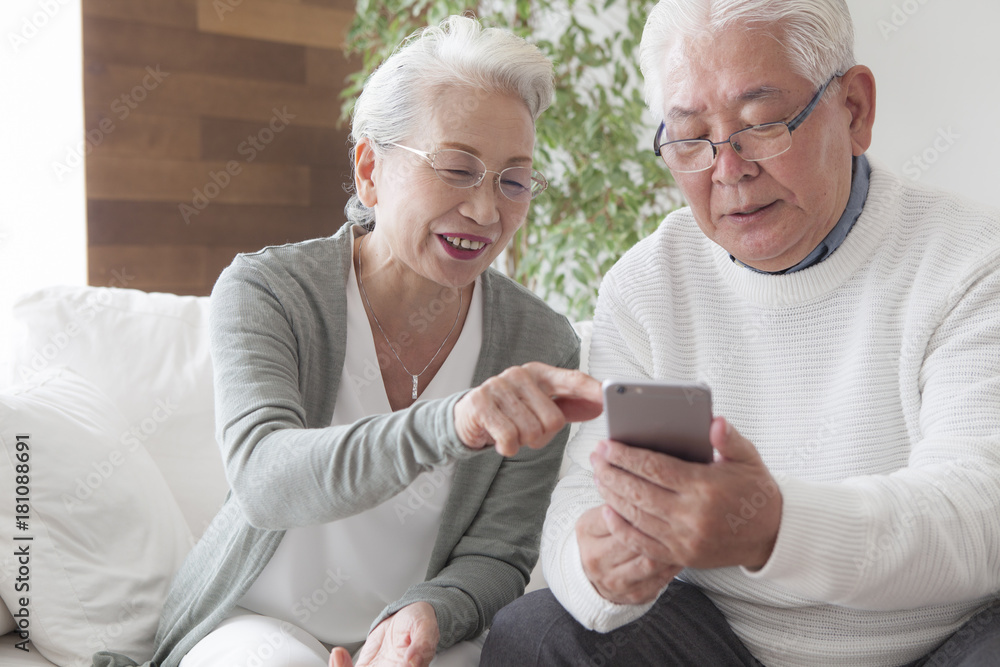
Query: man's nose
[730,167]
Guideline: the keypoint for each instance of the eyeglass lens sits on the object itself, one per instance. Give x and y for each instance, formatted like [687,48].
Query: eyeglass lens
[464,170]
[754,143]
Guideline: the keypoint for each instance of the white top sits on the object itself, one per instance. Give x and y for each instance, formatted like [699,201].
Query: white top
[869,383]
[334,579]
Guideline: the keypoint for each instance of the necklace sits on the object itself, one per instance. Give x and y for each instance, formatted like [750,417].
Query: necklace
[415,376]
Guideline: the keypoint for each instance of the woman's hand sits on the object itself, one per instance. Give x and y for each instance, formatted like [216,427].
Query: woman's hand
[525,406]
[409,637]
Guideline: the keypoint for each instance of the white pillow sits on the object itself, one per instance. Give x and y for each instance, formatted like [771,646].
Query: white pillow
[106,533]
[149,353]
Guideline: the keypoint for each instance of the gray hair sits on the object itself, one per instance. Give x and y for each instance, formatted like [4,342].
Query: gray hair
[457,53]
[817,34]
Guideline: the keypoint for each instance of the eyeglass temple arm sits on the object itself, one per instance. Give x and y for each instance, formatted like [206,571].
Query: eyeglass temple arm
[656,138]
[423,154]
[801,118]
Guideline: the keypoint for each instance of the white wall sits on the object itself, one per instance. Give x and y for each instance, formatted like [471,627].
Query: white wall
[43,216]
[936,68]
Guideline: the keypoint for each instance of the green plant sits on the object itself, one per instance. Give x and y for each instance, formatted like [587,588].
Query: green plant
[606,188]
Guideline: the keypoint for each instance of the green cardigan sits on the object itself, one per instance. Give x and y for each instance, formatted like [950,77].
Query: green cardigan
[278,338]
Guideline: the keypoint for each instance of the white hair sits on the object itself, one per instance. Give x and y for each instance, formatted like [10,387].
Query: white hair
[459,52]
[817,34]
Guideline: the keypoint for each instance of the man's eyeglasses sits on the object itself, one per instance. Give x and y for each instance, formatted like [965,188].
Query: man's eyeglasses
[460,169]
[760,142]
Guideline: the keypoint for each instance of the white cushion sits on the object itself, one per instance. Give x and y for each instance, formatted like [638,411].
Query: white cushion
[107,535]
[149,353]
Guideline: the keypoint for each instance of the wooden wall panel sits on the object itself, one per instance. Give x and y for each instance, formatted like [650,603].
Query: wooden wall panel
[242,140]
[274,20]
[124,42]
[166,89]
[180,269]
[327,68]
[179,13]
[221,224]
[176,92]
[199,184]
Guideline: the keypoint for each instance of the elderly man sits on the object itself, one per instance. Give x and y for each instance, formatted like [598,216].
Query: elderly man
[848,324]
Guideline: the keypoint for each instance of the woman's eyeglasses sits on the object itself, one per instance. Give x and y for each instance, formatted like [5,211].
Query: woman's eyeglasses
[460,169]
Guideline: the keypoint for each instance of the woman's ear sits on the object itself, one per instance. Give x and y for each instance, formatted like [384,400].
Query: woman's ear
[364,172]
[858,91]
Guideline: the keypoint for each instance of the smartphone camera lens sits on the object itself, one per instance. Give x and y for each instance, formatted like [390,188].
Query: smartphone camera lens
[620,389]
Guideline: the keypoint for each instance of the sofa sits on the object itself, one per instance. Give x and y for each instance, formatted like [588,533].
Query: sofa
[109,467]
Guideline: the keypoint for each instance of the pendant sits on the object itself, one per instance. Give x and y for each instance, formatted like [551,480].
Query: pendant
[414,387]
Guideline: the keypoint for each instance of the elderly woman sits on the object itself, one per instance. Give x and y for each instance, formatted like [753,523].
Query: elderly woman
[377,502]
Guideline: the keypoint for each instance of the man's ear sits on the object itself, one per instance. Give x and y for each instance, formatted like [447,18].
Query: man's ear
[858,94]
[364,172]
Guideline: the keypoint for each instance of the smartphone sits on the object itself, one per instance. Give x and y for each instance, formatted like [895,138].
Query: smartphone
[665,417]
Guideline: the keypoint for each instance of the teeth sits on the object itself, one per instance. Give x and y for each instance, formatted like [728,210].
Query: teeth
[465,244]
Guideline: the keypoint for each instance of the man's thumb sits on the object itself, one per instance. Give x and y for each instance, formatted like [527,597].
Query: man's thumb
[729,443]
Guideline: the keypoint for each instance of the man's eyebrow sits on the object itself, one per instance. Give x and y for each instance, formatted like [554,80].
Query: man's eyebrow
[762,93]
[678,113]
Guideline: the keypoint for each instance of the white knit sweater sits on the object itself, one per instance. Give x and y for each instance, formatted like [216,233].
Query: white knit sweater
[869,383]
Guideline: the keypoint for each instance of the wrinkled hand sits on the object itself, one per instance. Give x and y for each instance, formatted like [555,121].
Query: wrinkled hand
[721,514]
[409,637]
[525,406]
[621,575]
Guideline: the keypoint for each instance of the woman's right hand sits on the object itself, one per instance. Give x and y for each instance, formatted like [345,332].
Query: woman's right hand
[525,406]
[409,637]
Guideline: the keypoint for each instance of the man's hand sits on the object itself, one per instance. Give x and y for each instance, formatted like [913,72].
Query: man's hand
[618,573]
[720,514]
[409,637]
[525,406]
